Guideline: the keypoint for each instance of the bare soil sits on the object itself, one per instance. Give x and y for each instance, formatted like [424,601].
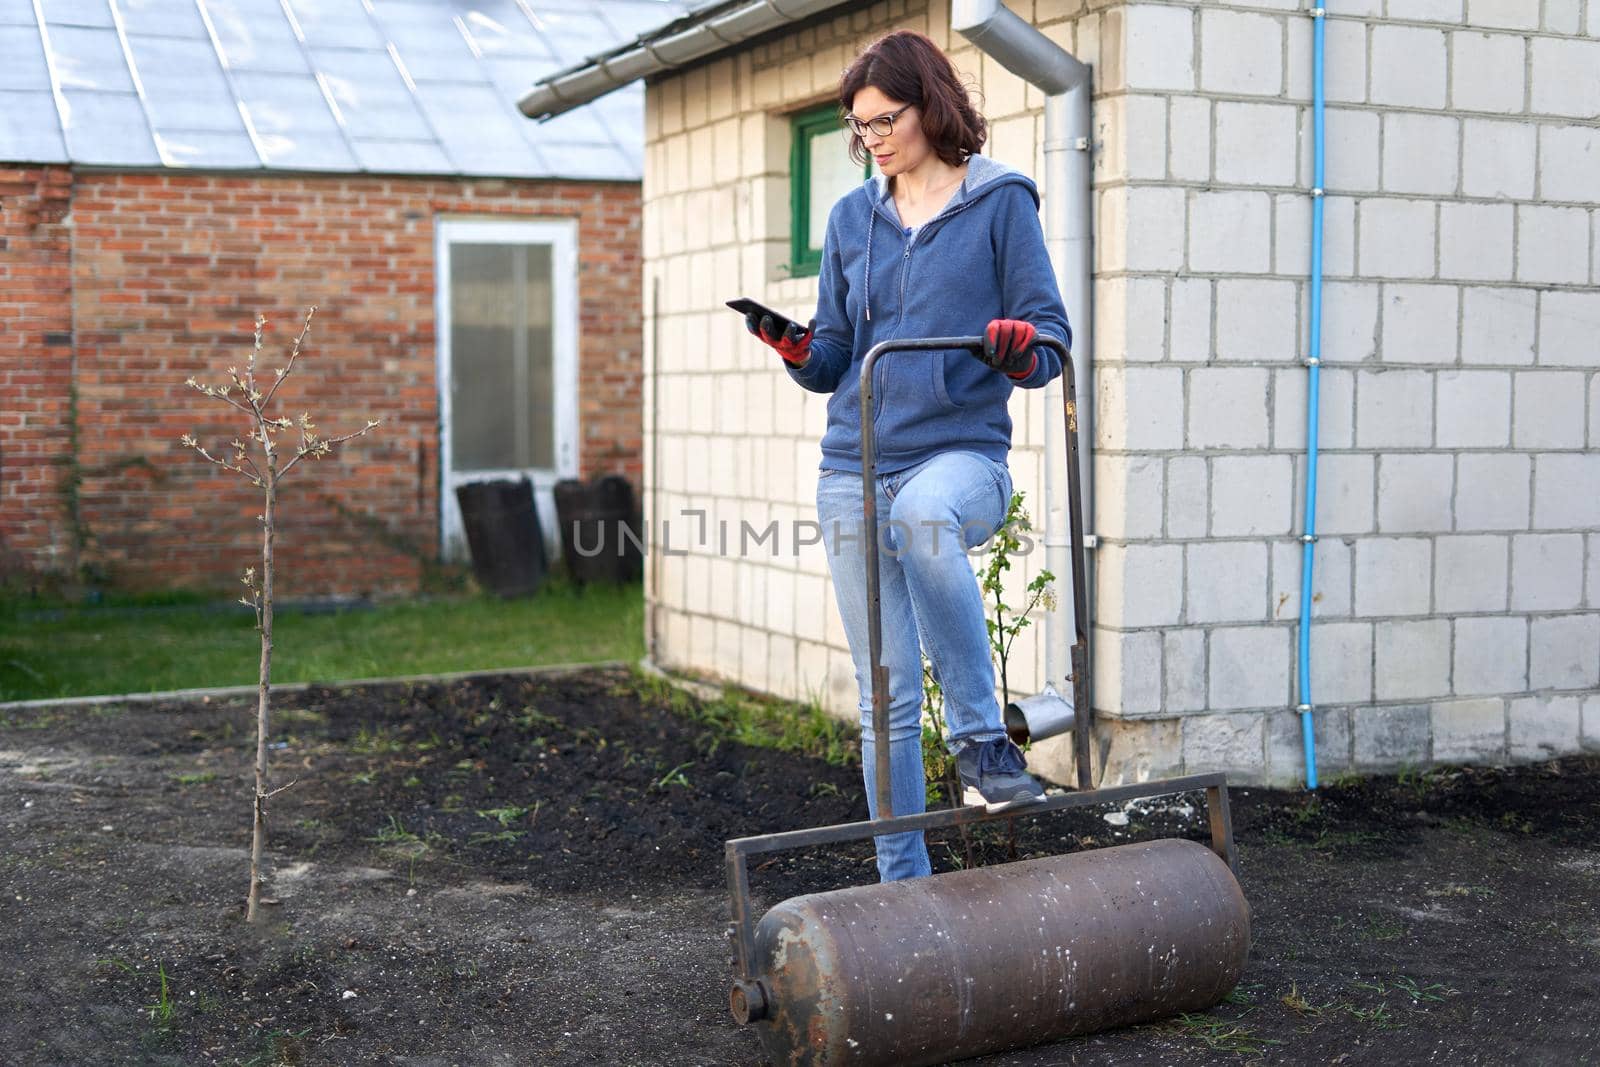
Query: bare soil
[527,870]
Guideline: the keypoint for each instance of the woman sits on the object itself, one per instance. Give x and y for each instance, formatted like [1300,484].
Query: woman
[942,242]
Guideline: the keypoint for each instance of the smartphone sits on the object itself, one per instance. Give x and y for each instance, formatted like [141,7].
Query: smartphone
[745,306]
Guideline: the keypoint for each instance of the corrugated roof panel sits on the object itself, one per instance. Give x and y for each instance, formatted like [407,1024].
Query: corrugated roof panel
[418,157]
[204,148]
[435,51]
[586,127]
[298,150]
[89,59]
[576,33]
[74,12]
[292,121]
[475,134]
[256,38]
[499,28]
[29,131]
[416,86]
[339,23]
[162,18]
[510,74]
[22,64]
[631,20]
[623,113]
[602,162]
[184,88]
[107,128]
[371,96]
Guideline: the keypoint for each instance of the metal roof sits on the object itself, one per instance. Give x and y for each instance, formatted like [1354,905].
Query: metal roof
[377,86]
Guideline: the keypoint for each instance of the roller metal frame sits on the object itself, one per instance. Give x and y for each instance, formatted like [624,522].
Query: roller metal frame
[747,998]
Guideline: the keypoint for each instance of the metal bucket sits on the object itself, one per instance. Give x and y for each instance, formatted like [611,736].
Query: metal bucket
[1038,717]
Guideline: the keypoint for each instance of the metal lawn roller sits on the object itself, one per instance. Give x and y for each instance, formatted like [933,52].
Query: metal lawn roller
[929,970]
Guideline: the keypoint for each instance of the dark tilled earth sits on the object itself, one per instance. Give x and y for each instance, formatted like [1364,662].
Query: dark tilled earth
[527,870]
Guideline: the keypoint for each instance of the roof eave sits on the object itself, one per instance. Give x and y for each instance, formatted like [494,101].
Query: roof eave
[676,45]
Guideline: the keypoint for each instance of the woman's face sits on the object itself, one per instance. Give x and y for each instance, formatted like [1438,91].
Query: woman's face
[905,147]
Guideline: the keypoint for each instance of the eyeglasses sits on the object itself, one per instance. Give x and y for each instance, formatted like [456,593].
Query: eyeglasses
[883,125]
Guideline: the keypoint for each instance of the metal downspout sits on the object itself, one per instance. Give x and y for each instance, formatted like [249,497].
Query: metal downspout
[1022,49]
[1308,539]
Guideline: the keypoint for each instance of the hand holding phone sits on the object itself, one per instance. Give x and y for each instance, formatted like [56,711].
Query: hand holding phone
[779,332]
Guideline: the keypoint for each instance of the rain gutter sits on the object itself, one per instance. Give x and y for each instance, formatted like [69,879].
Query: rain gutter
[1022,49]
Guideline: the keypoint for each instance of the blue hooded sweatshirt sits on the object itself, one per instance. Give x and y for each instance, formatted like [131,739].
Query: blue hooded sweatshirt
[981,258]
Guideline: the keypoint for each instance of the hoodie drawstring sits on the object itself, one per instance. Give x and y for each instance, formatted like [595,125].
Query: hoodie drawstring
[872,221]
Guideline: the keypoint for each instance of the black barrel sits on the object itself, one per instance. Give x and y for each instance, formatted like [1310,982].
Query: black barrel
[599,523]
[503,533]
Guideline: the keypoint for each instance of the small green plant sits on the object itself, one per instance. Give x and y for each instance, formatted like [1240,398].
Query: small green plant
[1378,1016]
[508,815]
[674,777]
[395,833]
[161,1010]
[1332,840]
[1419,993]
[1274,836]
[1419,783]
[1308,812]
[1297,1003]
[736,716]
[281,1047]
[1240,994]
[1219,1035]
[938,765]
[376,740]
[1514,822]
[940,775]
[531,717]
[196,778]
[1006,623]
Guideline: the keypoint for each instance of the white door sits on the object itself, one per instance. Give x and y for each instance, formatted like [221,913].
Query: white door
[506,305]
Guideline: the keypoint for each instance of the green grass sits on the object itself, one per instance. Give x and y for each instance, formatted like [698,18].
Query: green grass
[111,649]
[753,719]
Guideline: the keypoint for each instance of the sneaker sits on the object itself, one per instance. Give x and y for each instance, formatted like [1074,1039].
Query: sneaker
[994,776]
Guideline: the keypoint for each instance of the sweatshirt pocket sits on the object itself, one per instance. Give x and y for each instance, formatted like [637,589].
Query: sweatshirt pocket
[941,380]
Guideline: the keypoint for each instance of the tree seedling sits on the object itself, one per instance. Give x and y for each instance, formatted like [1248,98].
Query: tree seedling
[262,461]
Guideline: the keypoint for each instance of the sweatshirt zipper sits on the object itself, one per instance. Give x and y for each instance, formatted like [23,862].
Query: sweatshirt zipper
[881,384]
[905,264]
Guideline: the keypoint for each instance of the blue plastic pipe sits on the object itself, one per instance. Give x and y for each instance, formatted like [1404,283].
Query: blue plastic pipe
[1308,540]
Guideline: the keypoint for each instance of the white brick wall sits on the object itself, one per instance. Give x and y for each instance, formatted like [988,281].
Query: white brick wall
[1457,584]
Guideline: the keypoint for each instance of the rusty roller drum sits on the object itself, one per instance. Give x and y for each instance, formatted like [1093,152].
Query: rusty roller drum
[973,962]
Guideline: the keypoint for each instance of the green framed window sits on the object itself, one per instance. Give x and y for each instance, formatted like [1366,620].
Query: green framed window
[820,172]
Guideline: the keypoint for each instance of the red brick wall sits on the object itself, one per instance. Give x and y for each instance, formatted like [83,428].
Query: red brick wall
[35,369]
[168,272]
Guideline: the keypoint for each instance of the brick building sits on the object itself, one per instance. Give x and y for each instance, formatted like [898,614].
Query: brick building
[1456,604]
[170,169]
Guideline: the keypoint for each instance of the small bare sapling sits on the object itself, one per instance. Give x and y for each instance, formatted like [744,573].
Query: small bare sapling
[263,461]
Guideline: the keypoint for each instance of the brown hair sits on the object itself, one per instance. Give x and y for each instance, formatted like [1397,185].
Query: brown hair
[907,66]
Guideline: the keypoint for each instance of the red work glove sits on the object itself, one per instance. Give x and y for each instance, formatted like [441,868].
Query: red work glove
[794,345]
[1008,347]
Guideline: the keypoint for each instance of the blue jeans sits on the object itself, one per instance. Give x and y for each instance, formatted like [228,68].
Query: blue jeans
[927,517]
